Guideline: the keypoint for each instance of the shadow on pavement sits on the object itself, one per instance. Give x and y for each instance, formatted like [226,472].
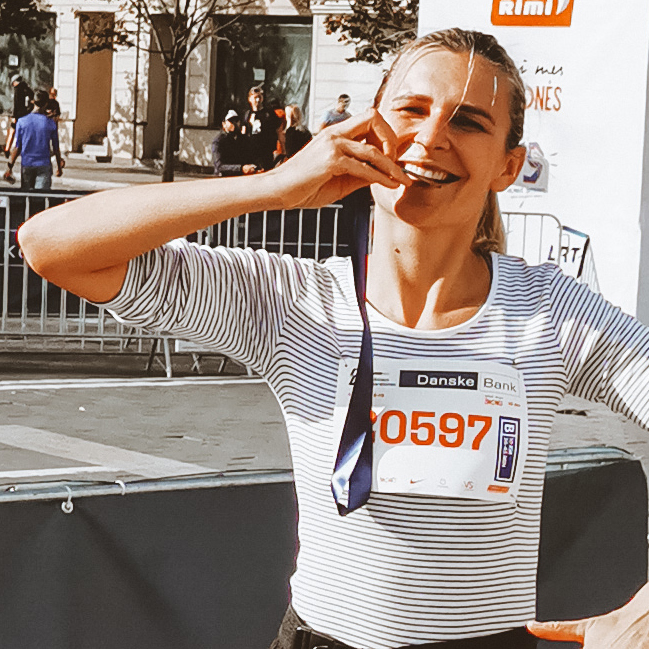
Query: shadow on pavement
[117,365]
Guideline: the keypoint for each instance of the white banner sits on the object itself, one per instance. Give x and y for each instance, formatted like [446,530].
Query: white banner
[584,63]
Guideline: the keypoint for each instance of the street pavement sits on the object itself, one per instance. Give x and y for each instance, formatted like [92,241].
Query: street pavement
[88,175]
[73,417]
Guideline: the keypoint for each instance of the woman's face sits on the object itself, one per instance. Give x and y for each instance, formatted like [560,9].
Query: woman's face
[451,125]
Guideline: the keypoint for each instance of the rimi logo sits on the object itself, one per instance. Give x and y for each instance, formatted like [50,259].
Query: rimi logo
[532,13]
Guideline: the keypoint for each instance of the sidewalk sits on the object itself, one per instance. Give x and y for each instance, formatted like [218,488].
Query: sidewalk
[88,175]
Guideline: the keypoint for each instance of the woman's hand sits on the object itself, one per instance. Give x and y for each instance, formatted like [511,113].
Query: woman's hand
[342,158]
[624,628]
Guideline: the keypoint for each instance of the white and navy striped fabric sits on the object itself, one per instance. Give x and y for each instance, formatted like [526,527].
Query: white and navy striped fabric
[404,569]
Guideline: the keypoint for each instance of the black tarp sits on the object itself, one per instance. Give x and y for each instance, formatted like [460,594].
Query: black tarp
[208,568]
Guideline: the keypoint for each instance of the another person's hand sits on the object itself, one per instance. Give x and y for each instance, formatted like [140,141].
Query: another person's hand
[344,157]
[624,628]
[59,169]
[246,170]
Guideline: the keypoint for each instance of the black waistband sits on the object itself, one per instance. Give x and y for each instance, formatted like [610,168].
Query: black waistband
[295,634]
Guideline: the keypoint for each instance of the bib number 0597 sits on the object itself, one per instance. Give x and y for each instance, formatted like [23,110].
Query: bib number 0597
[450,429]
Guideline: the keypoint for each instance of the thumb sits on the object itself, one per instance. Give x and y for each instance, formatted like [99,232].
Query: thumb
[571,631]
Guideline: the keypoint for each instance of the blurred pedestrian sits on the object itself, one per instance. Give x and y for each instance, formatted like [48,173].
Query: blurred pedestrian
[230,153]
[23,98]
[261,126]
[297,135]
[53,108]
[338,113]
[279,155]
[36,139]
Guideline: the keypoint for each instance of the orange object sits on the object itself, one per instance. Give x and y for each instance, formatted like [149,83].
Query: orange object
[532,13]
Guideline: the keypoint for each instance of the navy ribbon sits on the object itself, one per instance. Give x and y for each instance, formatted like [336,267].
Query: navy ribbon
[352,477]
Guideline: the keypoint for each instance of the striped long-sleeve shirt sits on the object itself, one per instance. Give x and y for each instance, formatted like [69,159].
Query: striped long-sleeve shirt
[403,569]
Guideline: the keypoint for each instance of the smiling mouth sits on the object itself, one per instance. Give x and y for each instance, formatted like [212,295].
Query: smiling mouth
[429,176]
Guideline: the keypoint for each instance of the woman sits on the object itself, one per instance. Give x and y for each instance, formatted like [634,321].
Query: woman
[428,558]
[297,135]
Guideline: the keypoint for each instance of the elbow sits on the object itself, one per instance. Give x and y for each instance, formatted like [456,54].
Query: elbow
[37,249]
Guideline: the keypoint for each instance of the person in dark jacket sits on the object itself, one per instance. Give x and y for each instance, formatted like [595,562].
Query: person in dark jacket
[297,135]
[230,153]
[53,108]
[261,126]
[23,98]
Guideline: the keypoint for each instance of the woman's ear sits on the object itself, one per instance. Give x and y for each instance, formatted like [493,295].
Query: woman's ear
[513,166]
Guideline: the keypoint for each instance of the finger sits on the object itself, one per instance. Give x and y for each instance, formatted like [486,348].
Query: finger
[571,631]
[355,127]
[366,172]
[382,136]
[370,126]
[371,155]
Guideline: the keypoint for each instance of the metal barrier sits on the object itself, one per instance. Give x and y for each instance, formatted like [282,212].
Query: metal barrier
[533,235]
[540,237]
[33,309]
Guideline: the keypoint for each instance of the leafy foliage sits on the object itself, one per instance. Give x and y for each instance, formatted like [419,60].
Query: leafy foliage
[375,27]
[178,27]
[24,17]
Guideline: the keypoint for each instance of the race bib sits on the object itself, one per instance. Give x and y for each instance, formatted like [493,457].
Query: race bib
[457,429]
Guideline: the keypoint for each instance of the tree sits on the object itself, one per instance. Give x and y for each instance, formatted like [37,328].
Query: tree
[375,27]
[24,17]
[178,27]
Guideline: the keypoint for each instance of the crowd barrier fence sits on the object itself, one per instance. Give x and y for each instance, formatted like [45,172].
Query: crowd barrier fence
[39,315]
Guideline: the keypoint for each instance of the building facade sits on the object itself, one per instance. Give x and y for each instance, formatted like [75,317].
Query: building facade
[116,99]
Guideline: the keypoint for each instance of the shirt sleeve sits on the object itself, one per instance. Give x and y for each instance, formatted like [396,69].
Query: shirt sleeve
[606,351]
[231,299]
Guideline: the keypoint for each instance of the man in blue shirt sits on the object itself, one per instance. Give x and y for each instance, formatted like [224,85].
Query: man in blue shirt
[337,114]
[36,138]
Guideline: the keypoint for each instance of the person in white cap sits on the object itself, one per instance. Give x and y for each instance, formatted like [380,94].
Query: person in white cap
[230,151]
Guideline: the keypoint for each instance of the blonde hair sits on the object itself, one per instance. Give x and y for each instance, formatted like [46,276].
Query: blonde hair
[490,232]
[293,115]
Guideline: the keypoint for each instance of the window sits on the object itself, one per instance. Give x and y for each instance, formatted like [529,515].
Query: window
[270,51]
[32,58]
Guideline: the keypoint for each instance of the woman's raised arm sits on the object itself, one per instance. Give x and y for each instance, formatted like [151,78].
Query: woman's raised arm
[84,245]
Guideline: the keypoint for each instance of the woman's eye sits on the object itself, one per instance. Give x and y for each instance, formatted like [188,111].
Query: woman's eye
[412,110]
[467,123]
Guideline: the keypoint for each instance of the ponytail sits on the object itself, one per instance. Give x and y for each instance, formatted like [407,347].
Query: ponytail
[490,233]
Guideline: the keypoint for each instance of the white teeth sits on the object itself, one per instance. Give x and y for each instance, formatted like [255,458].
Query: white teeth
[425,173]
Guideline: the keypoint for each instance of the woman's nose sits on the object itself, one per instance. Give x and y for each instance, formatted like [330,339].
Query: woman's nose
[433,131]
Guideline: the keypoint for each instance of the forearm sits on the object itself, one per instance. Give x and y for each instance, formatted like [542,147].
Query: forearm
[84,237]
